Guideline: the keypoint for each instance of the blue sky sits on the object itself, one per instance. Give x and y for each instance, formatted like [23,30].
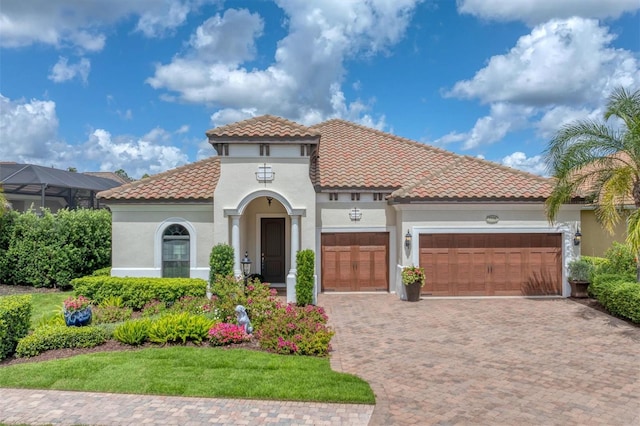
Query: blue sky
[104,85]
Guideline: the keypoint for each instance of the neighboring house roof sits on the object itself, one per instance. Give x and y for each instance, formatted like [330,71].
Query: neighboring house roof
[195,181]
[108,175]
[29,179]
[353,157]
[265,126]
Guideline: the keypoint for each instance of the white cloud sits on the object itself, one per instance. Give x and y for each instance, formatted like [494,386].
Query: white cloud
[23,23]
[308,65]
[63,71]
[537,11]
[519,160]
[136,156]
[567,61]
[556,117]
[29,130]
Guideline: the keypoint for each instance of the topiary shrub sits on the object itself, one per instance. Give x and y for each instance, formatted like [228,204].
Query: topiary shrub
[59,337]
[305,260]
[220,261]
[15,319]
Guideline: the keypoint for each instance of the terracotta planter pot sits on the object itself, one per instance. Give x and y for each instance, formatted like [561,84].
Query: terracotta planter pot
[78,318]
[413,291]
[579,289]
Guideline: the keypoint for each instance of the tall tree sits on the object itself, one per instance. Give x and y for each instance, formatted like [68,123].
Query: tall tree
[602,162]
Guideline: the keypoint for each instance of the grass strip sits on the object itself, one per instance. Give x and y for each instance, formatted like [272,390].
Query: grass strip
[191,371]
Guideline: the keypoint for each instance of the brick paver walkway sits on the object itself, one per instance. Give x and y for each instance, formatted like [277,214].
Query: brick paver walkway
[488,361]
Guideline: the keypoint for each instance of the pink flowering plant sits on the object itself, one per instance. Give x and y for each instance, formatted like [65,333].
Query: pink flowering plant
[257,298]
[296,330]
[74,304]
[412,274]
[222,334]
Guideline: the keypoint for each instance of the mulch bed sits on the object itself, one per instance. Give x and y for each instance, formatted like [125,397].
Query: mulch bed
[109,346]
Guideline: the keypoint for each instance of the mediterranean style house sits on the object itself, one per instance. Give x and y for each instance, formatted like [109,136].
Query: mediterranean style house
[366,202]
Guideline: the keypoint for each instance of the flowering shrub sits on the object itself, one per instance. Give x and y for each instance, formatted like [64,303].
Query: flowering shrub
[73,304]
[191,304]
[223,333]
[258,299]
[412,274]
[296,330]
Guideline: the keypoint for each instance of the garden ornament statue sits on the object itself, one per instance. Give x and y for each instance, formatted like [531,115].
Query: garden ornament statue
[243,319]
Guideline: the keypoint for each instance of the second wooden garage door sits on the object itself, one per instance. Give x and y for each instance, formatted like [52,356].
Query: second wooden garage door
[355,261]
[491,264]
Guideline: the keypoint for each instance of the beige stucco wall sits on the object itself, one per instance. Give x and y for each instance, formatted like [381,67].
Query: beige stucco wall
[595,239]
[137,231]
[240,193]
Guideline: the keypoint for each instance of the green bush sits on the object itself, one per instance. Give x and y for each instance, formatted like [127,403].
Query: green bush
[59,337]
[603,281]
[580,270]
[102,272]
[220,261]
[620,260]
[619,295]
[51,249]
[180,328]
[192,305]
[105,313]
[258,299]
[296,330]
[136,292]
[305,260]
[134,332]
[15,319]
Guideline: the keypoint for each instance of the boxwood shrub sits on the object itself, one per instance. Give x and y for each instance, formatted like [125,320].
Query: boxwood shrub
[305,260]
[59,337]
[15,319]
[136,292]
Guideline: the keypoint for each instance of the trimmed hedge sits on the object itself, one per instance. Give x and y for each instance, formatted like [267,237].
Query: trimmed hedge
[136,292]
[51,249]
[60,337]
[15,319]
[220,261]
[618,294]
[305,260]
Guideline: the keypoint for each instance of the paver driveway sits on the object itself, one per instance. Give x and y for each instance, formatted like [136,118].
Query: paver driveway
[488,361]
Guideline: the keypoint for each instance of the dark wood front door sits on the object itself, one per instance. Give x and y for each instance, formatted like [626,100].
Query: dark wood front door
[272,250]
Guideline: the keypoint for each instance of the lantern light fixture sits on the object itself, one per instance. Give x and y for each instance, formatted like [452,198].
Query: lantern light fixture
[407,240]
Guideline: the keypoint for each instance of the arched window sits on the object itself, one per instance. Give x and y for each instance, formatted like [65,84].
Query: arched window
[175,252]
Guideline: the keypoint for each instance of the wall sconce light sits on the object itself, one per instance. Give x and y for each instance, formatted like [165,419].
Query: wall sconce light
[577,238]
[269,200]
[407,240]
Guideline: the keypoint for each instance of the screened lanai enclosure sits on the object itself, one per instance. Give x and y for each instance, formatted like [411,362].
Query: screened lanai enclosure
[27,186]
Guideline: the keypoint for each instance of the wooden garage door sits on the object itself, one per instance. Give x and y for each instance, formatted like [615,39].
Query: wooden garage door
[491,264]
[355,261]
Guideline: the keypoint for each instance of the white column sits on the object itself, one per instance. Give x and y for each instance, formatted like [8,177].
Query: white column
[235,243]
[295,247]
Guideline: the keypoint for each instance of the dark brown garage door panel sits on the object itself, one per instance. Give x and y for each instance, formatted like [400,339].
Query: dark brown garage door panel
[491,264]
[357,261]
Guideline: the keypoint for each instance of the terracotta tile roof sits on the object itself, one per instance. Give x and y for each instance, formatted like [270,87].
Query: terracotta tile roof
[473,178]
[354,156]
[263,126]
[195,181]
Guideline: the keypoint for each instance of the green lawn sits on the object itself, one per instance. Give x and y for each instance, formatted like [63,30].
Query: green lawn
[193,371]
[44,305]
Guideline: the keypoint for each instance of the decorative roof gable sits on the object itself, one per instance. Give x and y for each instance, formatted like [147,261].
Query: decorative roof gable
[264,126]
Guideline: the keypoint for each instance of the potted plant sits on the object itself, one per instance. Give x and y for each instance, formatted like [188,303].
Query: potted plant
[77,311]
[413,279]
[580,272]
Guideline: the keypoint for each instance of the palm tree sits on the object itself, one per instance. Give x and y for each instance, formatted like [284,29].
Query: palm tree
[602,163]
